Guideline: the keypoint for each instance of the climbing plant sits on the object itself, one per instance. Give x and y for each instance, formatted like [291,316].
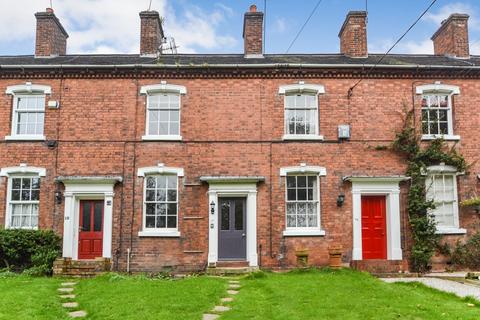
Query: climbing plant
[419,157]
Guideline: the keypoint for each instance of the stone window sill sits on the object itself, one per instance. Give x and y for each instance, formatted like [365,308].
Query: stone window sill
[159,234]
[446,137]
[162,138]
[302,137]
[451,231]
[25,138]
[304,233]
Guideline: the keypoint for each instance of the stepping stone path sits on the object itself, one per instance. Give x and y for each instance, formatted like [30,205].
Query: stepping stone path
[233,287]
[66,292]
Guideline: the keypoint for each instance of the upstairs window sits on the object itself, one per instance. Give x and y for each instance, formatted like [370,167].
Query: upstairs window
[437,115]
[163,105]
[28,111]
[301,120]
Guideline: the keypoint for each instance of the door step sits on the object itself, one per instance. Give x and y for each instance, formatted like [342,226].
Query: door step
[232,264]
[380,266]
[81,268]
[230,271]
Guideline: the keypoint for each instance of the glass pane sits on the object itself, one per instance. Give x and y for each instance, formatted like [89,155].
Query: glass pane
[35,195]
[300,101]
[174,128]
[312,221]
[86,217]
[291,208]
[291,221]
[26,195]
[174,115]
[150,222]
[442,115]
[425,128]
[174,101]
[301,181]
[161,181]
[311,102]
[161,209]
[291,181]
[291,194]
[16,183]
[161,195]
[302,194]
[433,128]
[443,101]
[433,115]
[238,214]
[150,209]
[164,115]
[172,209]
[301,221]
[153,128]
[163,128]
[443,128]
[290,101]
[21,103]
[225,216]
[301,209]
[172,195]
[171,221]
[161,221]
[98,216]
[150,195]
[172,182]
[26,183]
[35,183]
[15,195]
[151,182]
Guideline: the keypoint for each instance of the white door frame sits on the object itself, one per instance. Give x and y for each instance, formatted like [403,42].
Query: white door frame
[389,187]
[231,187]
[86,189]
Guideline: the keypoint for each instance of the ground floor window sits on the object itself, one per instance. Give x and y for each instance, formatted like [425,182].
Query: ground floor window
[442,189]
[302,205]
[161,202]
[23,202]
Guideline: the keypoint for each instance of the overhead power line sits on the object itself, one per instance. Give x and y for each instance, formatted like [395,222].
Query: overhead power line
[303,27]
[350,91]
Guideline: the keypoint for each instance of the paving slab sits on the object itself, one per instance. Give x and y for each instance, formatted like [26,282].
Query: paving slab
[65,289]
[232,291]
[460,289]
[234,286]
[70,305]
[208,316]
[67,296]
[78,314]
[227,299]
[234,282]
[68,284]
[220,309]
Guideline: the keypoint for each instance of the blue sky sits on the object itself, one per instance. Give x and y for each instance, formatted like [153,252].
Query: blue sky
[215,26]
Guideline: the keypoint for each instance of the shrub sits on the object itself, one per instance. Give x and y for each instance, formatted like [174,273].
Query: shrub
[468,254]
[32,251]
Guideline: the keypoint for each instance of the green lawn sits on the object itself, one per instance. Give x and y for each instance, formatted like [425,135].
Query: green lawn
[314,295]
[343,294]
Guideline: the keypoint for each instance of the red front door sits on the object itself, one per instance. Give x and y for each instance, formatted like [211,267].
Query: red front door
[90,236]
[374,231]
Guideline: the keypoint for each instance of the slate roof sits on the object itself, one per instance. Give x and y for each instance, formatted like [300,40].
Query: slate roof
[211,60]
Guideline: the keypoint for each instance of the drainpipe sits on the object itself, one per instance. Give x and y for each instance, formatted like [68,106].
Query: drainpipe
[128,260]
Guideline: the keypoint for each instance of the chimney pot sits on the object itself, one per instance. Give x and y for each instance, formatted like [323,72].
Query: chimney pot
[151,33]
[51,37]
[451,38]
[353,35]
[253,33]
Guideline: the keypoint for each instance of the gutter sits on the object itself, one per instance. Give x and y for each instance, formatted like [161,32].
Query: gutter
[233,66]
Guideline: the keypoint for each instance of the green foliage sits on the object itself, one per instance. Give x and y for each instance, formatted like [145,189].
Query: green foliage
[419,158]
[473,202]
[32,251]
[468,254]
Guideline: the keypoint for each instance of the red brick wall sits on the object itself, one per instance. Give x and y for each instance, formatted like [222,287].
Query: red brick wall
[353,35]
[229,127]
[452,37]
[50,38]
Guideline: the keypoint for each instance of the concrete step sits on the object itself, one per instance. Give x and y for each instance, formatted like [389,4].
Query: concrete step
[227,271]
[380,266]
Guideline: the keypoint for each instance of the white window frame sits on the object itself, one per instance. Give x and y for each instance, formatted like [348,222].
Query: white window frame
[450,171]
[302,88]
[157,171]
[441,89]
[163,87]
[304,170]
[26,90]
[21,171]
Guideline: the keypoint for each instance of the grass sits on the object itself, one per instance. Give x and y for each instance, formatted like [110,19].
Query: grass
[343,294]
[119,297]
[313,294]
[23,297]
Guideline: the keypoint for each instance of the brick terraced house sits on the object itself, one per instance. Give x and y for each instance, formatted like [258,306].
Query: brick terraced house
[152,161]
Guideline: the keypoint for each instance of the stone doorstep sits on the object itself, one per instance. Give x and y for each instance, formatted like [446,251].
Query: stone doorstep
[77,314]
[65,289]
[208,316]
[70,305]
[220,309]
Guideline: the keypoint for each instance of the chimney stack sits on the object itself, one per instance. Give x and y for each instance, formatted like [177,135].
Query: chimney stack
[51,37]
[353,35]
[253,33]
[451,39]
[151,33]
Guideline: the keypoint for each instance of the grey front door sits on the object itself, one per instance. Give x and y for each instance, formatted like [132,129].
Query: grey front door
[232,238]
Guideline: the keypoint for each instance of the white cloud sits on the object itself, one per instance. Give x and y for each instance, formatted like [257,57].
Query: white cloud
[457,7]
[410,47]
[113,26]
